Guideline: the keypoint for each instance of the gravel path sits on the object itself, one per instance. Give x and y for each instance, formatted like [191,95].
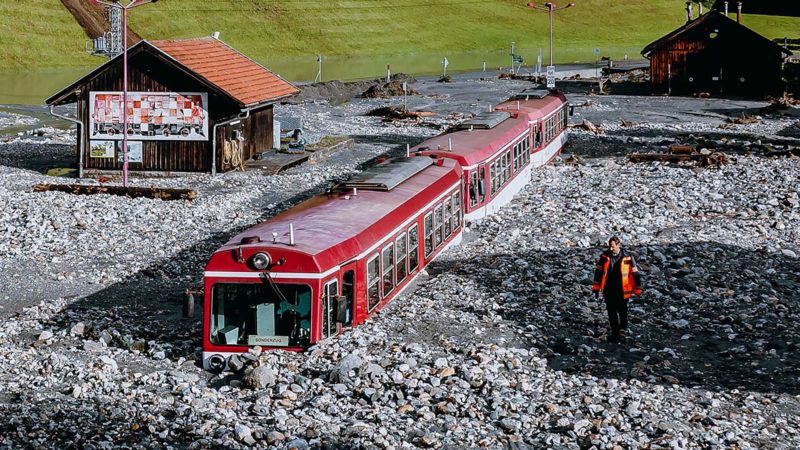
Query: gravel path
[500,345]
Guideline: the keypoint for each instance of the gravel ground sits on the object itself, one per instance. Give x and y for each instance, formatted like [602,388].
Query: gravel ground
[500,345]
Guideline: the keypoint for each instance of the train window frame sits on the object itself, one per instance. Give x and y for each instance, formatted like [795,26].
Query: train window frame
[456,199]
[401,262]
[473,188]
[376,281]
[415,229]
[448,218]
[331,309]
[428,233]
[492,179]
[387,270]
[438,228]
[507,157]
[213,319]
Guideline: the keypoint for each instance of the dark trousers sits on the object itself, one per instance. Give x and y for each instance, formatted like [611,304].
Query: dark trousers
[617,308]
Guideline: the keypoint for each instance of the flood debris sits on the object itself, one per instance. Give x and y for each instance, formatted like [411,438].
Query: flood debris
[393,113]
[589,126]
[705,158]
[741,120]
[130,191]
[393,88]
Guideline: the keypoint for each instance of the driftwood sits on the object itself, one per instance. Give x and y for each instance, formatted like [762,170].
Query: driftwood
[133,192]
[715,159]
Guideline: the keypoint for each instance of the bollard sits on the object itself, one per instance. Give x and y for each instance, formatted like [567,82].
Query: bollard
[188,305]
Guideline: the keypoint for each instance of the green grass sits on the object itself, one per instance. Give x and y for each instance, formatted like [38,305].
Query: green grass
[42,34]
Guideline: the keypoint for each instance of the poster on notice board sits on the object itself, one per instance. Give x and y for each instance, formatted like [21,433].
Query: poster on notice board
[152,116]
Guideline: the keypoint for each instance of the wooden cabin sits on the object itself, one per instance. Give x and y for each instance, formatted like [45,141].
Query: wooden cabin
[193,105]
[717,55]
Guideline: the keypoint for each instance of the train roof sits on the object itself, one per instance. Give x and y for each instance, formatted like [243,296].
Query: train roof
[488,133]
[334,228]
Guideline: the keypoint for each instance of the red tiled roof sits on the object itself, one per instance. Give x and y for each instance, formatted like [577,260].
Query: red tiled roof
[242,78]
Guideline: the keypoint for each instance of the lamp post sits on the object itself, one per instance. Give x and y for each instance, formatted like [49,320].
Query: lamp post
[124,7]
[550,8]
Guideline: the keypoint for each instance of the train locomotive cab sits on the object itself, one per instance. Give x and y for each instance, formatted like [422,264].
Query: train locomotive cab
[331,261]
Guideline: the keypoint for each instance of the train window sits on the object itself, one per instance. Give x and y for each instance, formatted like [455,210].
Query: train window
[388,269]
[507,157]
[538,140]
[428,234]
[400,251]
[413,248]
[329,293]
[564,118]
[456,210]
[373,287]
[473,188]
[448,218]
[438,229]
[271,315]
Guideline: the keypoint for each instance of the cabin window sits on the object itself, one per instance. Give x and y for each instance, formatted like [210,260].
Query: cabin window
[448,218]
[473,188]
[413,248]
[373,287]
[329,293]
[388,269]
[428,234]
[400,251]
[265,314]
[437,221]
[456,210]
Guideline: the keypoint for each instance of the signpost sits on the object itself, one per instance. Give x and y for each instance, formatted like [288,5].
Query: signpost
[551,77]
[596,54]
[445,63]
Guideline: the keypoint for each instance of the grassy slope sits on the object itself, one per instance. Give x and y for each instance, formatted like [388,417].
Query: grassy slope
[42,33]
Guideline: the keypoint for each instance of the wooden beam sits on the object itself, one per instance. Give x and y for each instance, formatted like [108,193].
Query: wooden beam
[133,192]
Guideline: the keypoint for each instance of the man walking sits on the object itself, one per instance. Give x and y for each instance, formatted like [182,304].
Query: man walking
[617,277]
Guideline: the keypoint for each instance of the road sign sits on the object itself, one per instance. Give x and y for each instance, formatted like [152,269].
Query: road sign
[596,51]
[518,59]
[551,77]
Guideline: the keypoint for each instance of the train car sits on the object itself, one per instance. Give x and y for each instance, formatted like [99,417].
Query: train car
[498,149]
[332,260]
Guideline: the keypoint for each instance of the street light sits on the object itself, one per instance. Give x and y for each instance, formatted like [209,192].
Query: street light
[124,7]
[550,7]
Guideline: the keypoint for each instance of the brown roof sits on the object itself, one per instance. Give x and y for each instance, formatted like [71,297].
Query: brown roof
[211,62]
[712,15]
[242,78]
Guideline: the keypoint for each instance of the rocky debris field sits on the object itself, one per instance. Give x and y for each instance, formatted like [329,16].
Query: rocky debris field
[500,345]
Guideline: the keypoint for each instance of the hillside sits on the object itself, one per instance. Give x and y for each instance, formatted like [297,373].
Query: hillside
[42,33]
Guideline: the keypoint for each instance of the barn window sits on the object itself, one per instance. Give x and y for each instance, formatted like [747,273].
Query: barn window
[413,248]
[373,277]
[388,269]
[400,251]
[428,234]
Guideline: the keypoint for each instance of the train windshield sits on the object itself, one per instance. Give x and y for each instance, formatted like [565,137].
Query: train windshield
[277,315]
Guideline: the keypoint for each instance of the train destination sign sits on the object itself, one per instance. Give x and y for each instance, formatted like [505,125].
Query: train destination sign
[152,116]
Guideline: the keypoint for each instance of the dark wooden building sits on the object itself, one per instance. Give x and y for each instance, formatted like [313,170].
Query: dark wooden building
[717,55]
[194,105]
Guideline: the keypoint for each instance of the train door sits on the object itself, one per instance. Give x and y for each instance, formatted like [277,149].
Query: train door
[329,321]
[473,194]
[348,293]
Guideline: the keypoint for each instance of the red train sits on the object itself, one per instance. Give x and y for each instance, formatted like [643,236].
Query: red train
[337,258]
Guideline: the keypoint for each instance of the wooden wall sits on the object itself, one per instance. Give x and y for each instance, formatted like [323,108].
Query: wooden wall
[148,73]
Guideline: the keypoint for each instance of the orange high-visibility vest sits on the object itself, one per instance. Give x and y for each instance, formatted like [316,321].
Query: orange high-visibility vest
[630,275]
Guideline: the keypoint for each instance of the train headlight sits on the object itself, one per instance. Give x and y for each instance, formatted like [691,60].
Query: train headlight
[261,261]
[216,363]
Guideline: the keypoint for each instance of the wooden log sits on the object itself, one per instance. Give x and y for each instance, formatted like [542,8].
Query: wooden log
[716,158]
[133,192]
